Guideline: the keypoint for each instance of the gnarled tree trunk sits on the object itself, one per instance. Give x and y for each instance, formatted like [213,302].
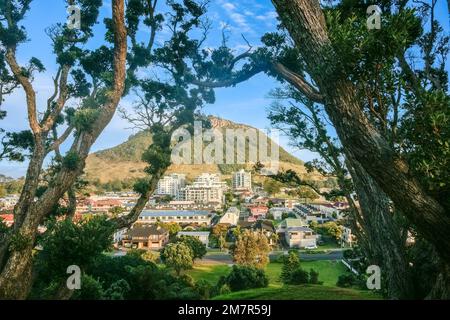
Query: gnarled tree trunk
[305,22]
[16,275]
[384,235]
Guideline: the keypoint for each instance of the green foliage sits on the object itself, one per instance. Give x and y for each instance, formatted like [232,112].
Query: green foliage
[142,186]
[85,118]
[197,247]
[67,243]
[19,242]
[314,277]
[172,227]
[330,229]
[16,146]
[347,280]
[242,278]
[272,187]
[117,291]
[292,273]
[116,211]
[91,289]
[299,276]
[291,262]
[71,160]
[426,129]
[177,256]
[251,249]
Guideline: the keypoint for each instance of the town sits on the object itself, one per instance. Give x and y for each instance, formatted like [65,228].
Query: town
[209,204]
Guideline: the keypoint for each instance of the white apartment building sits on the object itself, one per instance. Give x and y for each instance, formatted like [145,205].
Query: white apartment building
[242,180]
[203,194]
[207,188]
[171,185]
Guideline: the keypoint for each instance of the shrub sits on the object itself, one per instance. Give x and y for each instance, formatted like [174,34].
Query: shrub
[299,276]
[242,278]
[291,262]
[346,280]
[204,289]
[314,277]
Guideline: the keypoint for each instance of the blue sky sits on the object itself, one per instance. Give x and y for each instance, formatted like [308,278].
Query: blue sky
[245,103]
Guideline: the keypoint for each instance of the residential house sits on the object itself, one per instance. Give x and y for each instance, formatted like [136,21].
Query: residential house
[259,212]
[230,217]
[203,236]
[7,219]
[277,213]
[267,228]
[261,201]
[148,237]
[296,233]
[300,237]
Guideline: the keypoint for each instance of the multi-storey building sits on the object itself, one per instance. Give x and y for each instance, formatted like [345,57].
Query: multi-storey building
[171,185]
[242,180]
[179,216]
[206,189]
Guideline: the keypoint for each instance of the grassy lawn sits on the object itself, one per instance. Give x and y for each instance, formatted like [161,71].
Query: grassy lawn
[209,272]
[329,271]
[304,292]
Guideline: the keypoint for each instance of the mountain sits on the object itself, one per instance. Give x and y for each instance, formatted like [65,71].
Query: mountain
[124,161]
[5,179]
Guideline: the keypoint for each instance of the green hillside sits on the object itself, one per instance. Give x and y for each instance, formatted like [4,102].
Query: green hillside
[124,161]
[303,292]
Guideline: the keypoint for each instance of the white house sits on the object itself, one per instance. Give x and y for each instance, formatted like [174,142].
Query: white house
[203,236]
[277,213]
[297,234]
[230,217]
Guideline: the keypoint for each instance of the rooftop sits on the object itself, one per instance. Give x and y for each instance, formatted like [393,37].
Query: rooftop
[174,213]
[145,231]
[291,222]
[193,233]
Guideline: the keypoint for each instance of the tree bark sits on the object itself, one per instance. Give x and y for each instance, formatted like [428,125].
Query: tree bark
[305,22]
[384,235]
[16,276]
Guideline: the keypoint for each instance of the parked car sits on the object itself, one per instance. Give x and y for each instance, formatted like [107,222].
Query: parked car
[311,247]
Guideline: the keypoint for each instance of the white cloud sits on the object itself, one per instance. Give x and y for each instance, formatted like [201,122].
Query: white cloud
[267,16]
[229,6]
[240,20]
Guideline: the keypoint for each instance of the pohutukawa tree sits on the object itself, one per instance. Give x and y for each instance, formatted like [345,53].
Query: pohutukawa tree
[342,65]
[99,101]
[88,87]
[372,220]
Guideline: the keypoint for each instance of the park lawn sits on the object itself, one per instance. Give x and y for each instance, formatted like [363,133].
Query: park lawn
[301,292]
[209,272]
[329,271]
